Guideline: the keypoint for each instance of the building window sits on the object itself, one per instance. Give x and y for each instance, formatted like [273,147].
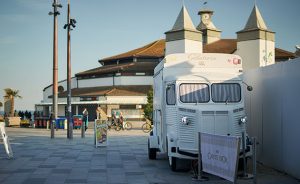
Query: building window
[61,89]
[194,93]
[171,94]
[88,99]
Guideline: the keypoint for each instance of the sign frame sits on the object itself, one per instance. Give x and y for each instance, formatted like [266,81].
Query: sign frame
[6,143]
[100,133]
[205,149]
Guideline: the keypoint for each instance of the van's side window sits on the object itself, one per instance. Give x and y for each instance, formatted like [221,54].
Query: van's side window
[171,94]
[194,93]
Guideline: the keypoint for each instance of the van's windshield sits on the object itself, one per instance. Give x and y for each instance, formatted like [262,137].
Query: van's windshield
[218,92]
[226,92]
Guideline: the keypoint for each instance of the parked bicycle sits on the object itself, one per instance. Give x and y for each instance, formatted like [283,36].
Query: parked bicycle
[147,127]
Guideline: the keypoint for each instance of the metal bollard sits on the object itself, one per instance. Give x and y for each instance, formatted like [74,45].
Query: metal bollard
[52,128]
[83,129]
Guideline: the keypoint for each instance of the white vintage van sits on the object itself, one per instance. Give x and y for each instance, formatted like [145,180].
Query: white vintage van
[195,93]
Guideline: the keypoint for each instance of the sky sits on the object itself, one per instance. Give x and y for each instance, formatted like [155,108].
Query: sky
[109,27]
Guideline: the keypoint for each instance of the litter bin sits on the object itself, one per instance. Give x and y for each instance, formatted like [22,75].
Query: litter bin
[60,123]
[77,119]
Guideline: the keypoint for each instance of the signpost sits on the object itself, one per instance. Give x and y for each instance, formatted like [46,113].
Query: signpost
[6,141]
[219,155]
[100,133]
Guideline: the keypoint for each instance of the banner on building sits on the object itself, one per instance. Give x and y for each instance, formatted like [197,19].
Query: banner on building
[6,143]
[100,132]
[220,155]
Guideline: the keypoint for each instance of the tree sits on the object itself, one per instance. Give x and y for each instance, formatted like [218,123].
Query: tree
[148,110]
[11,94]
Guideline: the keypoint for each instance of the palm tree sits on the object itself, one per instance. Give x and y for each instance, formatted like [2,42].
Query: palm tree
[11,94]
[1,104]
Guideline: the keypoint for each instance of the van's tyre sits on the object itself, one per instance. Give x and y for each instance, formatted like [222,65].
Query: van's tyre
[173,163]
[151,152]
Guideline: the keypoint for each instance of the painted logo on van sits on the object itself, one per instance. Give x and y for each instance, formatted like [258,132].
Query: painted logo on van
[234,61]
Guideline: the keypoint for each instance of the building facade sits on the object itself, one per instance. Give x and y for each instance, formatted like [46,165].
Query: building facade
[122,82]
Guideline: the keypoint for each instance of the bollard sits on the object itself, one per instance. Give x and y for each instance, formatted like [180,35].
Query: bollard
[52,128]
[83,129]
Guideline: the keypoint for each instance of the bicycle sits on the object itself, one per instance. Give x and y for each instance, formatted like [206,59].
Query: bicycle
[147,127]
[118,126]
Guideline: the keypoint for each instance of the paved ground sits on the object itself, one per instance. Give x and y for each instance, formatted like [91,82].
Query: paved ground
[39,159]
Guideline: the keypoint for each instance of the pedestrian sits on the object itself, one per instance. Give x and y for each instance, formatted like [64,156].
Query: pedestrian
[121,119]
[114,118]
[98,112]
[85,114]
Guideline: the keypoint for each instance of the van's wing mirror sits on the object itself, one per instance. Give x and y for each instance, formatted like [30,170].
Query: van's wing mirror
[249,88]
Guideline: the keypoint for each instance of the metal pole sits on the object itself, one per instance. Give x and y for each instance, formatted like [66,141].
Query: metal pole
[244,154]
[83,128]
[200,176]
[199,157]
[69,106]
[55,66]
[254,161]
[52,128]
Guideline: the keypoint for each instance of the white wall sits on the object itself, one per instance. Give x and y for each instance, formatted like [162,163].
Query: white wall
[183,46]
[274,115]
[83,83]
[134,80]
[126,100]
[121,80]
[253,53]
[63,83]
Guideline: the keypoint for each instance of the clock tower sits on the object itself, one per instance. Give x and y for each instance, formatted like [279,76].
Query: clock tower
[209,31]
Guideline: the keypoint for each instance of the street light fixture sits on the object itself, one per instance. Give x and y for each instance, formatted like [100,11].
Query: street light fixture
[70,23]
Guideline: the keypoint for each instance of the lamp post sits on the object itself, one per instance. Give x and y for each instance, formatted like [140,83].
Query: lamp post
[55,12]
[70,23]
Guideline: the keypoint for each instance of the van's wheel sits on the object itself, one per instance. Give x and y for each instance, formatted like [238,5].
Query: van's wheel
[173,163]
[151,152]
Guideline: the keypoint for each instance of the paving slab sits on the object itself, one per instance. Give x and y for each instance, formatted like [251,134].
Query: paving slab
[39,159]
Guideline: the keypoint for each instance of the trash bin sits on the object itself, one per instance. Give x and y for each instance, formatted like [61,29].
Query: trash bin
[60,123]
[77,120]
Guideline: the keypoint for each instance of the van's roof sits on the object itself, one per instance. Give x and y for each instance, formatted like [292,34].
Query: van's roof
[204,61]
[205,77]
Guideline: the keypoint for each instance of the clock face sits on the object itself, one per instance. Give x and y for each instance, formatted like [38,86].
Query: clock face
[205,16]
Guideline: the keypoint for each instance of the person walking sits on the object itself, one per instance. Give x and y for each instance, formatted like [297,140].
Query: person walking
[85,114]
[121,119]
[98,112]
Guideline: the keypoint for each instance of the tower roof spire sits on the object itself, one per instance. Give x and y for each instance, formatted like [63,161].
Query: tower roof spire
[183,21]
[255,21]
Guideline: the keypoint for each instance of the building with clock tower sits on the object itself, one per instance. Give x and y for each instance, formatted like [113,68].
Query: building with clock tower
[209,31]
[121,82]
